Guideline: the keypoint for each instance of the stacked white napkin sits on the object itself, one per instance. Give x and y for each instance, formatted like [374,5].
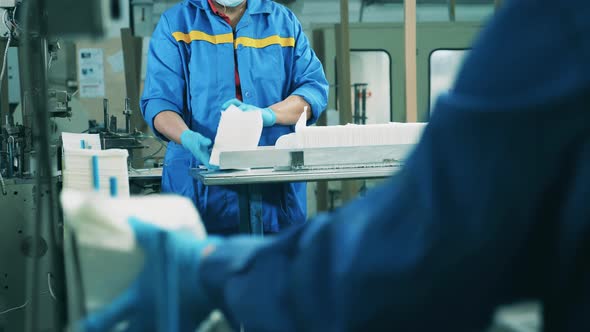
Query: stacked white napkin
[77,165]
[394,133]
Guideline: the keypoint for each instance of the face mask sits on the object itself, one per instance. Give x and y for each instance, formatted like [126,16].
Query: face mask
[230,3]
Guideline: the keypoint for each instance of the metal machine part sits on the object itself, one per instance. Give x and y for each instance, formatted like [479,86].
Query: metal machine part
[271,165]
[110,121]
[17,153]
[112,124]
[59,104]
[19,207]
[127,113]
[145,181]
[250,192]
[260,176]
[316,158]
[17,157]
[34,51]
[111,136]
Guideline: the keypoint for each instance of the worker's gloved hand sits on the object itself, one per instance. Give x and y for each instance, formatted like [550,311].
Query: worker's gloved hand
[269,118]
[198,145]
[167,295]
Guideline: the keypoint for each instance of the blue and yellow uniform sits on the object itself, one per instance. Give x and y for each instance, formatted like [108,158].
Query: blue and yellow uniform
[191,71]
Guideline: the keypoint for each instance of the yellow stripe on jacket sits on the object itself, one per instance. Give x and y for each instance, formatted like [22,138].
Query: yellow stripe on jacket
[265,42]
[194,35]
[229,38]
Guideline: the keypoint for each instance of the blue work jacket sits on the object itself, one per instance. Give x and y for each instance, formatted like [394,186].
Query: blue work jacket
[492,207]
[191,71]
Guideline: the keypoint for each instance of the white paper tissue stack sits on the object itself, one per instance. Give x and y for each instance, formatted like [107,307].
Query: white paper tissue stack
[77,165]
[237,131]
[360,135]
[109,258]
[393,133]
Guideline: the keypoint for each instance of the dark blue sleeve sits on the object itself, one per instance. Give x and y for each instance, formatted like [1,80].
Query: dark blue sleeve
[531,53]
[164,87]
[465,225]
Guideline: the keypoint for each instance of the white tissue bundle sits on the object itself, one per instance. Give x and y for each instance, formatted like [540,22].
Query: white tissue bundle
[237,131]
[109,258]
[393,133]
[77,165]
[77,170]
[360,135]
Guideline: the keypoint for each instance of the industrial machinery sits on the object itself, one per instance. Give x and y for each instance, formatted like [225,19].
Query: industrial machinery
[31,273]
[111,136]
[142,181]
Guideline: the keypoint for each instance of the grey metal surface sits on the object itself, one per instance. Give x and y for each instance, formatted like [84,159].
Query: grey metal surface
[145,181]
[145,173]
[256,176]
[17,211]
[268,157]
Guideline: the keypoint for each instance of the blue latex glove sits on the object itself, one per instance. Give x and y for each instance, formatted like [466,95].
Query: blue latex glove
[269,118]
[167,295]
[198,145]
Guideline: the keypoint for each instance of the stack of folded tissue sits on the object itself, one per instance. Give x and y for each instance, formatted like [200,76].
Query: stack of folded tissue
[77,165]
[394,133]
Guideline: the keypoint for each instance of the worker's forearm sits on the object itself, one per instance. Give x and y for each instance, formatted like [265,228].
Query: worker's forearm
[289,110]
[170,124]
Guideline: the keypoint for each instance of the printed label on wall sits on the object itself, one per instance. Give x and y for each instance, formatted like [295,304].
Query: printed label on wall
[91,72]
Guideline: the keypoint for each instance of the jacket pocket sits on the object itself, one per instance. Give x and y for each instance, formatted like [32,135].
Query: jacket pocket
[176,178]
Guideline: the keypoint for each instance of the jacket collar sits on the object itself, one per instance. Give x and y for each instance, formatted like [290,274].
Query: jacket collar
[254,6]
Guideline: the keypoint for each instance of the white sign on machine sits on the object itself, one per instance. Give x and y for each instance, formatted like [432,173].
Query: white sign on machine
[91,72]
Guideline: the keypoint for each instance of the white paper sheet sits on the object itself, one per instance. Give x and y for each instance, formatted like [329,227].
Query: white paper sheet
[237,131]
[302,121]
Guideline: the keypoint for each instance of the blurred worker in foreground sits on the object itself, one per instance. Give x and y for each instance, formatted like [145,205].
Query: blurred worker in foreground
[491,208]
[206,55]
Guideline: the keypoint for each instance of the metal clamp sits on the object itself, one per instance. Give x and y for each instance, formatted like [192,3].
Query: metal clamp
[297,160]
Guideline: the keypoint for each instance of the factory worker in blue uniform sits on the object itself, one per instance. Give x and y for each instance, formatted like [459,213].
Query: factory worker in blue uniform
[491,208]
[206,55]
